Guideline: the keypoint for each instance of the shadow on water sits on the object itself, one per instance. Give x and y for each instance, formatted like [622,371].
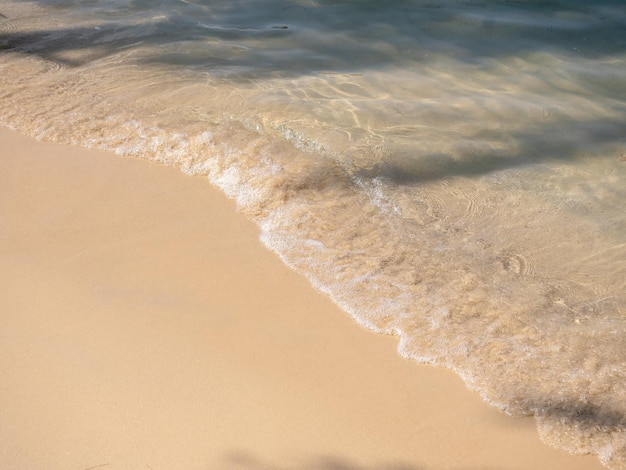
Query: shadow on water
[243,40]
[585,415]
[560,141]
[286,38]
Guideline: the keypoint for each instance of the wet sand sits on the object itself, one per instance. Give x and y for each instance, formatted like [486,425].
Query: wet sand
[144,326]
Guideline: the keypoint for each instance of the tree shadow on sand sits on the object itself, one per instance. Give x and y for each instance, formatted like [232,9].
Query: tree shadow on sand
[241,460]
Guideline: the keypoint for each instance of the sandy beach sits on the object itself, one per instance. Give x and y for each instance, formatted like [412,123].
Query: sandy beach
[144,326]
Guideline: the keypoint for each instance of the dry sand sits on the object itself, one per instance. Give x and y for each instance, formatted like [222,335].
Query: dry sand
[144,326]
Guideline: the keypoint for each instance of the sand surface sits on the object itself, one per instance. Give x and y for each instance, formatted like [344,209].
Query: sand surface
[144,326]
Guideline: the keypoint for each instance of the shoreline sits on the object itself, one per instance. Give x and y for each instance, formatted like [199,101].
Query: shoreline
[145,326]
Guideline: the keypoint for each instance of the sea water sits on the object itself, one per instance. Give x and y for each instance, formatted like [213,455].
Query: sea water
[450,172]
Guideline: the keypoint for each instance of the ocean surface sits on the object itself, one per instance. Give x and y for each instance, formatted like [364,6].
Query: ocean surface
[450,172]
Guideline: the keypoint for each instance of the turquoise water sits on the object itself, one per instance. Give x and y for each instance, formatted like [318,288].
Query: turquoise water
[450,172]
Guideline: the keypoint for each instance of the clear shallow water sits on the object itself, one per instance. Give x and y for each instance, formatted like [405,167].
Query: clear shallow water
[449,172]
